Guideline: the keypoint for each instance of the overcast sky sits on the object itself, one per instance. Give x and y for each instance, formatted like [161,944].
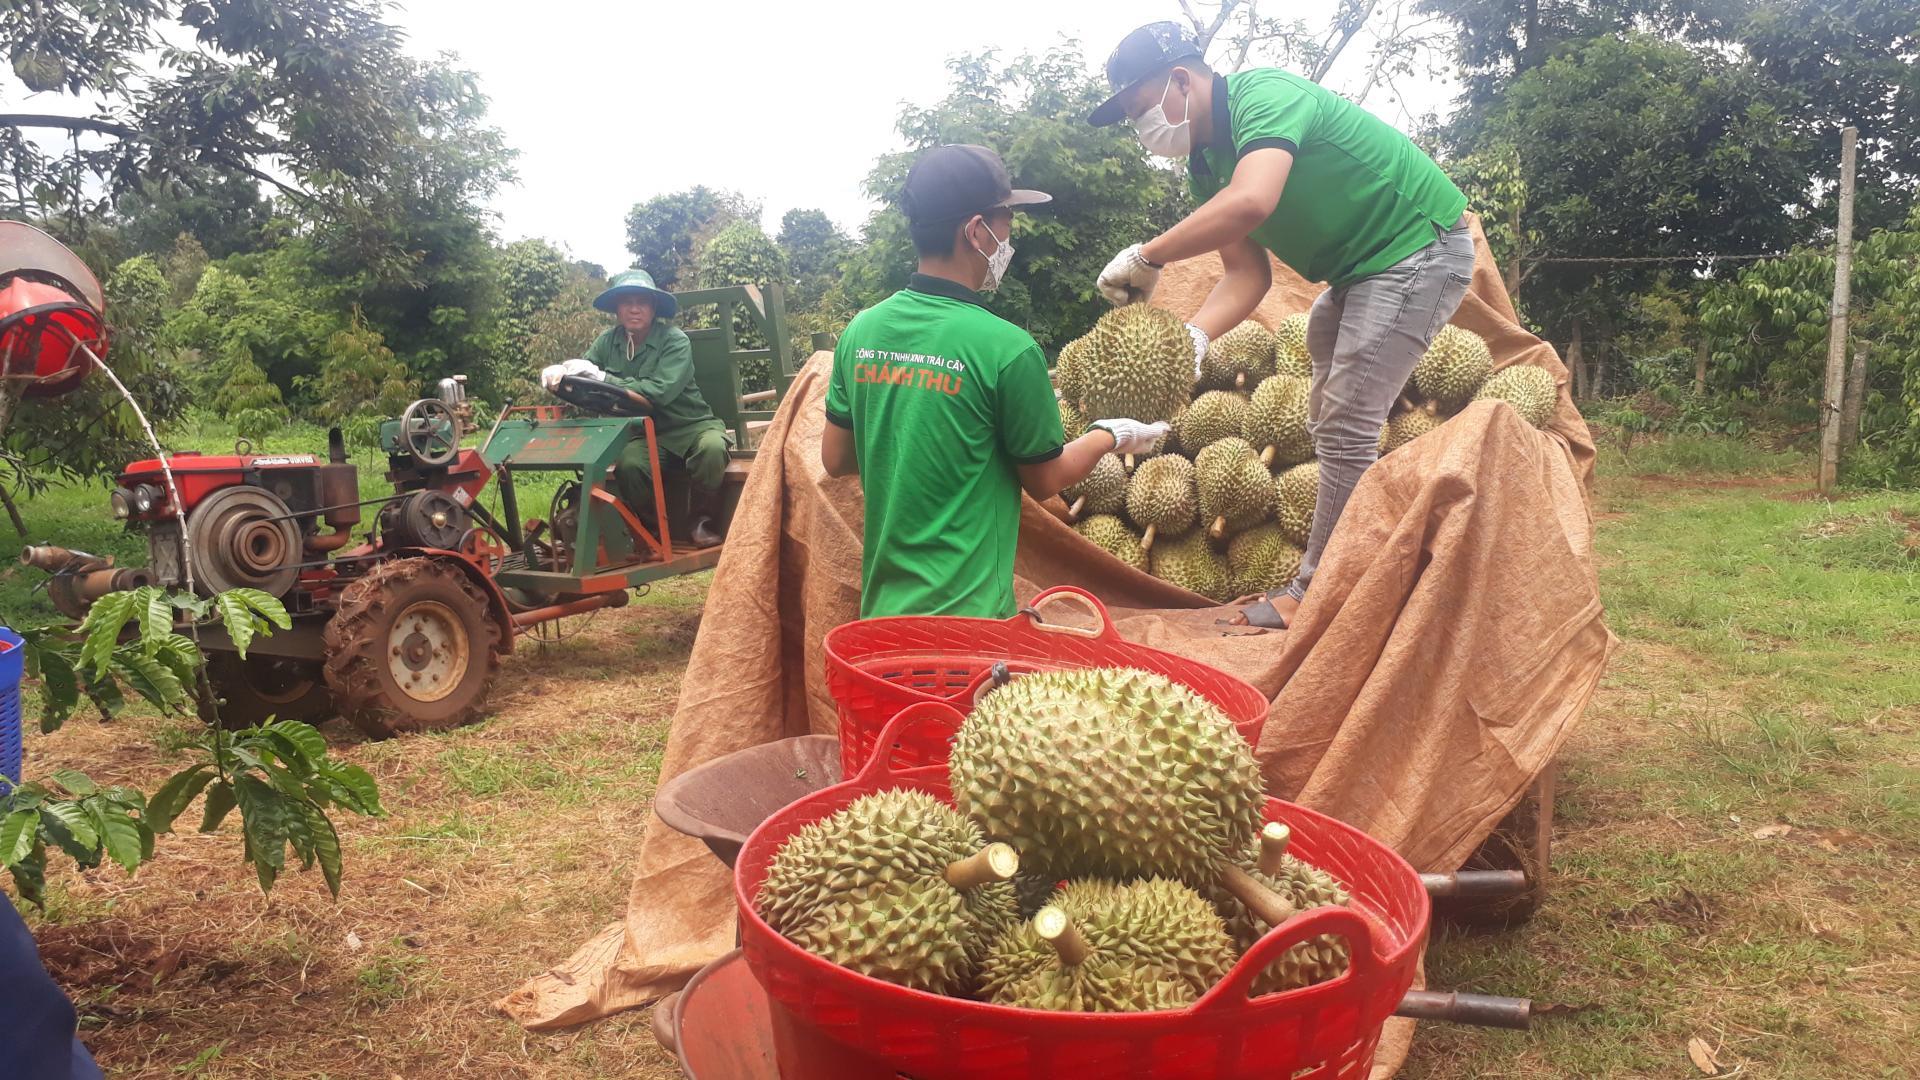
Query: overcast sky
[787,102]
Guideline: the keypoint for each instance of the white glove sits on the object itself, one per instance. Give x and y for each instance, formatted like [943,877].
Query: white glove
[1199,347]
[1128,278]
[1132,436]
[551,375]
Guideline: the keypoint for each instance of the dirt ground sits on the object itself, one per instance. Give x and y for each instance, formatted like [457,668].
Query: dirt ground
[1735,851]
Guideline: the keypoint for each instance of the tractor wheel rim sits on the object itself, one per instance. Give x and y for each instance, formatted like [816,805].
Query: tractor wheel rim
[427,651]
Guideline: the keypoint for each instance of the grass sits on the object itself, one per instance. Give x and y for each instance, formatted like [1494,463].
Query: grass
[1737,835]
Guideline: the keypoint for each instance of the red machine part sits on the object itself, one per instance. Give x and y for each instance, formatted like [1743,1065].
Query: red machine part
[40,324]
[877,667]
[1328,1030]
[200,475]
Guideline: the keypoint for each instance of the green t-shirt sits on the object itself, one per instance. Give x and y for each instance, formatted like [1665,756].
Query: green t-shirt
[1360,196]
[944,399]
[661,369]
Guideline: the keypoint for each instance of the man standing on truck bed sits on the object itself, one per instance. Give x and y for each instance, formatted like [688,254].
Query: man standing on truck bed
[1282,165]
[945,410]
[647,354]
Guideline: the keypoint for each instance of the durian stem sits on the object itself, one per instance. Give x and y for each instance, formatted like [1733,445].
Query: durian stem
[1239,380]
[1146,538]
[1057,930]
[1218,530]
[1273,848]
[995,862]
[1126,461]
[1267,456]
[1272,908]
[1073,512]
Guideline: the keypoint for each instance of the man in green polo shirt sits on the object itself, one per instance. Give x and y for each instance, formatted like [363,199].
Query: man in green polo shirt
[645,353]
[945,410]
[1279,164]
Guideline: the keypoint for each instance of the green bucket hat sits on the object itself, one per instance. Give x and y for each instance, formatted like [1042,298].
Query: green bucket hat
[637,281]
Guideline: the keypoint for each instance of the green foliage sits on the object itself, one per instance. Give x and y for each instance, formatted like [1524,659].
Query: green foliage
[273,308]
[277,774]
[814,247]
[666,232]
[247,399]
[1033,111]
[360,379]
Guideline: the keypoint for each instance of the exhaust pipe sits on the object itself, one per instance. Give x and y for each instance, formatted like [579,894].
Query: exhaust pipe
[59,560]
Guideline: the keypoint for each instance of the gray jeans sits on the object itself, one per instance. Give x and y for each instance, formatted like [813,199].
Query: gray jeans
[1365,339]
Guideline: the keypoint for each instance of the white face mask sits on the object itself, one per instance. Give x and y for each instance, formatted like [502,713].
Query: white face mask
[998,261]
[1161,136]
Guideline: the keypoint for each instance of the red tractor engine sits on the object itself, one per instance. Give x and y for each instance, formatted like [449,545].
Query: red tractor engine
[252,521]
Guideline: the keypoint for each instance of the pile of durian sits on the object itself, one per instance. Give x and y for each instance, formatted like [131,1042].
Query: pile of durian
[1105,853]
[1224,507]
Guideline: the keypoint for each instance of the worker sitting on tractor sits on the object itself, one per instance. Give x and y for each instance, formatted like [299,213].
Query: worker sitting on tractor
[945,410]
[645,353]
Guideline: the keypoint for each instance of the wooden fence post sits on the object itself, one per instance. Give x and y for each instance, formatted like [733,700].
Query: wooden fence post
[1836,388]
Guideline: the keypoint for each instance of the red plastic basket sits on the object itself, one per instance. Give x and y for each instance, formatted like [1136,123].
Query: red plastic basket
[1322,1031]
[878,667]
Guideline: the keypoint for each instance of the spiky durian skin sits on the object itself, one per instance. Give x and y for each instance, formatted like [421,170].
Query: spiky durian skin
[1238,359]
[1295,493]
[865,888]
[1214,415]
[1161,495]
[1114,537]
[1071,422]
[1190,562]
[1069,370]
[1530,390]
[1105,488]
[1107,772]
[1403,428]
[1155,944]
[1304,886]
[1233,485]
[1260,560]
[1138,364]
[1453,369]
[1290,347]
[1277,417]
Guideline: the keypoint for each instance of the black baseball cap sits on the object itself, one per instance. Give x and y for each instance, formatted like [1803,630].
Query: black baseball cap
[1140,55]
[953,183]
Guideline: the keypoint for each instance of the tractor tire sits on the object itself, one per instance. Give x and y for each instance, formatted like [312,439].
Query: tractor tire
[257,688]
[412,647]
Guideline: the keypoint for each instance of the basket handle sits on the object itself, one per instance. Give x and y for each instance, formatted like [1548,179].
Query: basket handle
[923,713]
[995,677]
[1085,599]
[1338,920]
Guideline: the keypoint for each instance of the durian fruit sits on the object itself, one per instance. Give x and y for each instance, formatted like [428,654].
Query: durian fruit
[1277,421]
[1290,347]
[1453,369]
[1295,493]
[1116,538]
[1161,498]
[1068,371]
[1191,563]
[1108,772]
[1213,416]
[1102,491]
[1304,887]
[1404,427]
[899,886]
[1105,947]
[1238,359]
[1071,422]
[1529,389]
[1260,560]
[1236,491]
[1138,364]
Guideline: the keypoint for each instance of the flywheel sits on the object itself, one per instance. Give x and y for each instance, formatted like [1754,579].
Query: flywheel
[412,647]
[258,687]
[244,537]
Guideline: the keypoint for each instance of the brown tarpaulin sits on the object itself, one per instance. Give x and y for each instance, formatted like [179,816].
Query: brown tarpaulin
[1452,637]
